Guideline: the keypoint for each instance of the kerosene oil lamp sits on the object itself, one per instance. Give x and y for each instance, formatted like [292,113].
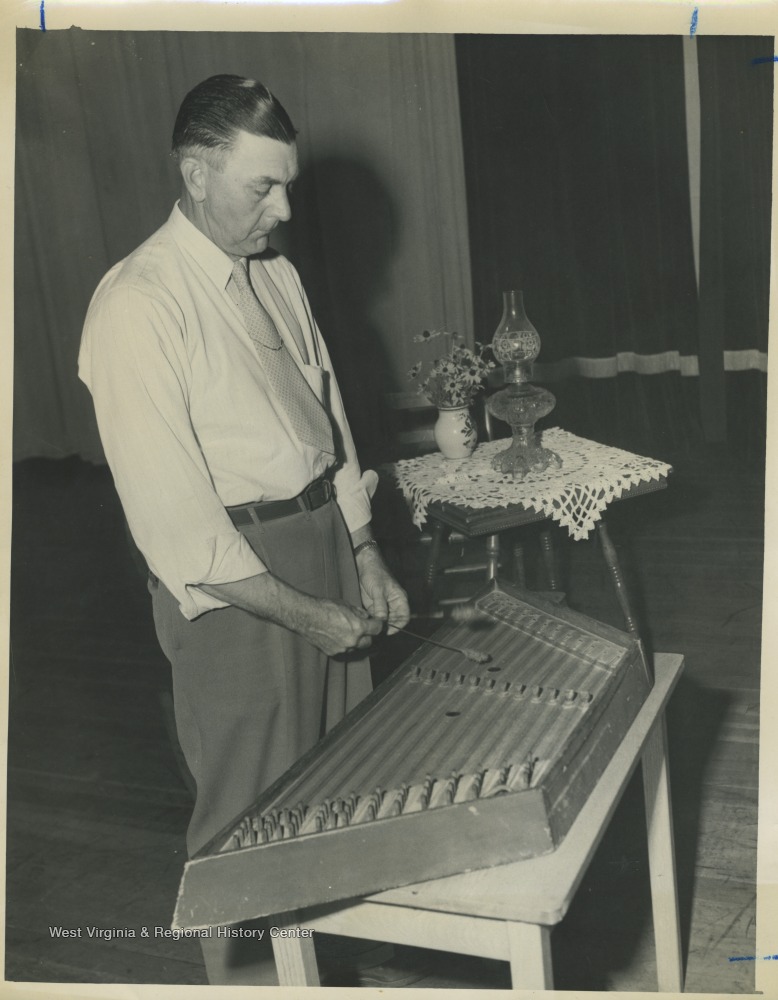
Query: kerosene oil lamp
[516,344]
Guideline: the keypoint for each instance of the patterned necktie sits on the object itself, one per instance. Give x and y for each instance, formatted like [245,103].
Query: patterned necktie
[306,414]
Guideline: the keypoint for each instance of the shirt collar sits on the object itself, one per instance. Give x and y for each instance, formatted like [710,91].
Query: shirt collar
[211,258]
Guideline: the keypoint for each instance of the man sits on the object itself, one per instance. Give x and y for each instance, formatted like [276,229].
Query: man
[225,432]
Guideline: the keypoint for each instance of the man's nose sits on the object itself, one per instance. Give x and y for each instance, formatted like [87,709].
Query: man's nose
[281,207]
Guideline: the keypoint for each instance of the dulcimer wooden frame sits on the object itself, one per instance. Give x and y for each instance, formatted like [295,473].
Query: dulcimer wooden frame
[224,886]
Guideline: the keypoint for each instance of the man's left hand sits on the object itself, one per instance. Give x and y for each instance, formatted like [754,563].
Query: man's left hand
[382,595]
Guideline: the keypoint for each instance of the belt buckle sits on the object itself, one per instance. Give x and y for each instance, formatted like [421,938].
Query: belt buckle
[310,497]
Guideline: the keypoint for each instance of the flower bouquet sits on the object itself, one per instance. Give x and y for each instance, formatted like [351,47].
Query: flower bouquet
[451,382]
[455,378]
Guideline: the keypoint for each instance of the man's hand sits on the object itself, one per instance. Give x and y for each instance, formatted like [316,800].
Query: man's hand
[331,626]
[338,628]
[382,595]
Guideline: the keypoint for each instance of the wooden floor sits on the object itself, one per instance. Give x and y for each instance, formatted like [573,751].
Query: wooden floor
[97,808]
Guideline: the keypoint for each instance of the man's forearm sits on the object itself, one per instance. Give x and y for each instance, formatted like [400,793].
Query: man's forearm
[332,626]
[267,597]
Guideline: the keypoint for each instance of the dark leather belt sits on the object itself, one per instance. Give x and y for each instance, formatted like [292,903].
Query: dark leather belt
[312,497]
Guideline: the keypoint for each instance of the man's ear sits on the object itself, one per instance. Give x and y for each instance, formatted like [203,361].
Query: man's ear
[194,172]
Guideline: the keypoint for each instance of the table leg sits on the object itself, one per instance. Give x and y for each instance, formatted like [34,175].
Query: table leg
[518,565]
[492,556]
[295,957]
[547,548]
[529,946]
[439,533]
[612,561]
[661,861]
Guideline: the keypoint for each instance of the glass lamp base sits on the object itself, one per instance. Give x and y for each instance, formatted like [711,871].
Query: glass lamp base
[521,406]
[524,457]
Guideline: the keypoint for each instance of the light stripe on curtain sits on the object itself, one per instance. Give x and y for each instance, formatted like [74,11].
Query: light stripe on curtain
[379,232]
[646,364]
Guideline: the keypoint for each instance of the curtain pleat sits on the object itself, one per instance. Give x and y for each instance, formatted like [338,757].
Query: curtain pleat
[379,228]
[380,233]
[578,194]
[736,100]
[578,191]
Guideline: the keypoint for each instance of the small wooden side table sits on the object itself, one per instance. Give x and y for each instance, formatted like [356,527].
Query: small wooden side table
[472,522]
[469,496]
[508,912]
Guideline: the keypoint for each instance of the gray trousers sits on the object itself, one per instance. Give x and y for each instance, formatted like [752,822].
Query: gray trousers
[251,697]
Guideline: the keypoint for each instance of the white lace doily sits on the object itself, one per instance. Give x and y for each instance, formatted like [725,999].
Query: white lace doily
[592,476]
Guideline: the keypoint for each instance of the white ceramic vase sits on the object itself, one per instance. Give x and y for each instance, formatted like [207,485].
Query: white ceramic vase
[455,432]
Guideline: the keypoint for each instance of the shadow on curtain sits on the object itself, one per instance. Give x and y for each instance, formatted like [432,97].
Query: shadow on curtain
[380,227]
[337,195]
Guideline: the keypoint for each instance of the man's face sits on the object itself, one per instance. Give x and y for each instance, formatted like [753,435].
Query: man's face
[248,196]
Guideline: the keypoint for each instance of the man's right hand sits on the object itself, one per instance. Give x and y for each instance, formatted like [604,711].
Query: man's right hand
[333,627]
[338,628]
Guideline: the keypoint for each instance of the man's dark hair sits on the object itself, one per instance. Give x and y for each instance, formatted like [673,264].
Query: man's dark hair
[213,112]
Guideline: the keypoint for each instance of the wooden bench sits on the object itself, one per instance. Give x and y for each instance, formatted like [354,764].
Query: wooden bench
[508,912]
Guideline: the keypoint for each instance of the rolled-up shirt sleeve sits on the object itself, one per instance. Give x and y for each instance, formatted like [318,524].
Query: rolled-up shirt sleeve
[354,501]
[353,488]
[134,362]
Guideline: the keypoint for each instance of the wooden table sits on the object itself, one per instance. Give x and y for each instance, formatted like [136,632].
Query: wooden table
[508,912]
[576,493]
[472,522]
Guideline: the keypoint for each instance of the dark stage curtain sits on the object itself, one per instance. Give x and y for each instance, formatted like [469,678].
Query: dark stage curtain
[736,103]
[578,193]
[379,228]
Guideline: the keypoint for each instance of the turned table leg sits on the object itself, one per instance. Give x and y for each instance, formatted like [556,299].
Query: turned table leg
[439,533]
[612,561]
[547,550]
[518,565]
[492,556]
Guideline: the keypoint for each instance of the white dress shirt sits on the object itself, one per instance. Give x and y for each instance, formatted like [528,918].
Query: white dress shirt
[187,419]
